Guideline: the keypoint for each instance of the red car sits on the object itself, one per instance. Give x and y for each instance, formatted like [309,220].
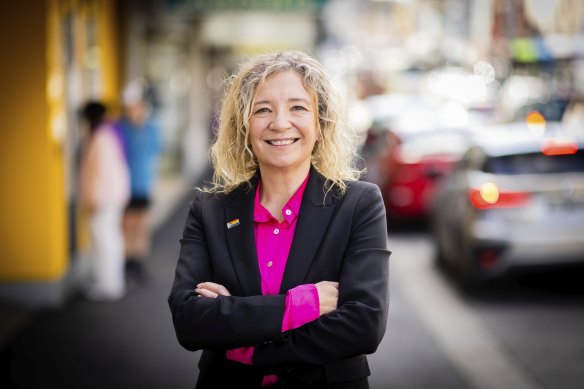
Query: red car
[414,141]
[409,164]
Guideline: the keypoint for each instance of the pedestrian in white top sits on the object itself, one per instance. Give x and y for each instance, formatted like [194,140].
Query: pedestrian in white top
[104,188]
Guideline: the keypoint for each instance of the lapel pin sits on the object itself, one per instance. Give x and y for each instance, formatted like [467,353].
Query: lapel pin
[233,223]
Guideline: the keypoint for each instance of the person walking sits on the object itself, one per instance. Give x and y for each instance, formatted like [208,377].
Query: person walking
[104,192]
[140,135]
[282,277]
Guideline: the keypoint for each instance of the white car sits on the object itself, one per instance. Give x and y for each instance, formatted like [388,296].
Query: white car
[515,199]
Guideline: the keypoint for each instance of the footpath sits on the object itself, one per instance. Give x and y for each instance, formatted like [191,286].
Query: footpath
[25,332]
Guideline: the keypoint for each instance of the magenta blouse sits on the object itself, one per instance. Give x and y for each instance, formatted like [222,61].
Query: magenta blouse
[273,240]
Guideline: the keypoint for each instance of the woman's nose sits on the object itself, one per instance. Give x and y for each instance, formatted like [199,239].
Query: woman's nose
[281,121]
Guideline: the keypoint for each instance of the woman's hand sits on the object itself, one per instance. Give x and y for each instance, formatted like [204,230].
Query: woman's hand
[211,289]
[328,296]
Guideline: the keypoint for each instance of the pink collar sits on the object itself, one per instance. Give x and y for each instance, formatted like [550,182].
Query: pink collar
[291,208]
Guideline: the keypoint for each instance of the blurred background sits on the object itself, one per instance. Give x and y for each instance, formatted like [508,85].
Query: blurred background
[471,121]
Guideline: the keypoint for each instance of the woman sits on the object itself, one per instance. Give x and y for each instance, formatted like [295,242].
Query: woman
[282,277]
[104,192]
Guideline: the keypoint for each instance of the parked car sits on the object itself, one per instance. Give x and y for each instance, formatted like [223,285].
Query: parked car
[384,111]
[408,153]
[414,165]
[515,199]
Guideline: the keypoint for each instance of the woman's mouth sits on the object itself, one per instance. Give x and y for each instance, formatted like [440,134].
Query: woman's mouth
[281,142]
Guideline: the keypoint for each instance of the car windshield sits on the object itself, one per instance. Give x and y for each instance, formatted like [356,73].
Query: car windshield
[536,163]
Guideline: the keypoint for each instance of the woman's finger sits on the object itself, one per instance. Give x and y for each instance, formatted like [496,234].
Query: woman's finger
[328,295]
[215,288]
[206,293]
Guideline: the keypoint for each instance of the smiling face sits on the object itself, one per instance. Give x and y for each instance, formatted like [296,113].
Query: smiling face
[282,125]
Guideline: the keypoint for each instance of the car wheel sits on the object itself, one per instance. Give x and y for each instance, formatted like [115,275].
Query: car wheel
[467,271]
[439,254]
[439,258]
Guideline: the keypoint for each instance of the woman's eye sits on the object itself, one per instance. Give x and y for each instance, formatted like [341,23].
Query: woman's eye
[262,110]
[298,108]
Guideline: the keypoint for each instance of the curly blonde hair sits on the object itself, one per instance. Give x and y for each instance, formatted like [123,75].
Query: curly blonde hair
[233,159]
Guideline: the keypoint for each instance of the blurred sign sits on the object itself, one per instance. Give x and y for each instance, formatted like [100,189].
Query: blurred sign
[226,5]
[259,29]
[528,50]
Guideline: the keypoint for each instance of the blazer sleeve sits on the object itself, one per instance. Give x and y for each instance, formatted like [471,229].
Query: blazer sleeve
[358,325]
[216,323]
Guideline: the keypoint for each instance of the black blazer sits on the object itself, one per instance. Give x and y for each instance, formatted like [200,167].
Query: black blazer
[337,238]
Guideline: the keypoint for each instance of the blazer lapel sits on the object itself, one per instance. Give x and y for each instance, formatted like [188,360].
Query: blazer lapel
[313,221]
[241,239]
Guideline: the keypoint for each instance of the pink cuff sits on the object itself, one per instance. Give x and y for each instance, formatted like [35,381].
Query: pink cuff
[302,306]
[241,355]
[269,380]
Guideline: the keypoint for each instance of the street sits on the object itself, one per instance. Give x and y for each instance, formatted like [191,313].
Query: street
[521,332]
[524,333]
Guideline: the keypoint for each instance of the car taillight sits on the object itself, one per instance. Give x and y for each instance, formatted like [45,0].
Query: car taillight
[552,146]
[536,122]
[490,196]
[535,118]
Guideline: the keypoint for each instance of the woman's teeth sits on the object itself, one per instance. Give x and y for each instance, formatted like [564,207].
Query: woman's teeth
[282,142]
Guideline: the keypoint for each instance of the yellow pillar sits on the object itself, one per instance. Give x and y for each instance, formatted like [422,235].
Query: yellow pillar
[33,231]
[110,46]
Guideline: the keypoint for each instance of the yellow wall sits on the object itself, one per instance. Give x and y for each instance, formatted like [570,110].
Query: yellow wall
[109,37]
[33,237]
